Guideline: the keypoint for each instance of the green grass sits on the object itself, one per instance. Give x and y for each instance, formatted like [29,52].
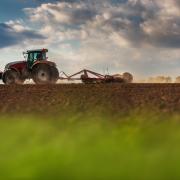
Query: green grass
[83,146]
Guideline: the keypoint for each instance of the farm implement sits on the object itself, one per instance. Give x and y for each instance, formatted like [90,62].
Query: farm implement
[42,71]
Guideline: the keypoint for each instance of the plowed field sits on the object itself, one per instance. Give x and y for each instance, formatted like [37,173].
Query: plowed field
[80,97]
[77,131]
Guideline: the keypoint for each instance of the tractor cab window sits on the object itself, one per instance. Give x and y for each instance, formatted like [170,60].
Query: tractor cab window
[31,57]
[35,56]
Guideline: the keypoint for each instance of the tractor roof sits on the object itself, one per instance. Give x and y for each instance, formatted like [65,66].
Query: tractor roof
[37,50]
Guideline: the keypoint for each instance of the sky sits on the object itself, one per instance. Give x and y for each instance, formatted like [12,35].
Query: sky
[115,36]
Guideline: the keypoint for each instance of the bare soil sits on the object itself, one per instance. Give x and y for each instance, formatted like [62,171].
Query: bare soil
[79,97]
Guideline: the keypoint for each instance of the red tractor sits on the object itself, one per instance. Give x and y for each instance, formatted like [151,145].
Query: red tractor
[36,67]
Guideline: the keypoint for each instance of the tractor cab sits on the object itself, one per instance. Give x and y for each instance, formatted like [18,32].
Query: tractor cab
[35,55]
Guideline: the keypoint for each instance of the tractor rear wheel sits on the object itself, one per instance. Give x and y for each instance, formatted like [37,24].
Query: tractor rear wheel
[11,77]
[41,74]
[54,75]
[45,74]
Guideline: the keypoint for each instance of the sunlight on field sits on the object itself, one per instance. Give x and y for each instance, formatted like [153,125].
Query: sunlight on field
[136,146]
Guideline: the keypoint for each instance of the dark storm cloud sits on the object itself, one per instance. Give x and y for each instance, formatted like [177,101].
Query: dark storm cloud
[9,36]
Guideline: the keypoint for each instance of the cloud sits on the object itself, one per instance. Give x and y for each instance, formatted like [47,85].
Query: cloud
[13,33]
[64,13]
[139,22]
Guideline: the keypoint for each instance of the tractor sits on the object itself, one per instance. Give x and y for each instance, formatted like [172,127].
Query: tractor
[35,66]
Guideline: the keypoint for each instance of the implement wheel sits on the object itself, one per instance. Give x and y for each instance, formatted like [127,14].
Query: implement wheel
[128,78]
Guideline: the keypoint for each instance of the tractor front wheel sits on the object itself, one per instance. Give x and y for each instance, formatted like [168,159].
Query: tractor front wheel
[11,77]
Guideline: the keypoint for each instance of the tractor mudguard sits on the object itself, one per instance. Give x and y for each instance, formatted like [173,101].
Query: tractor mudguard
[44,62]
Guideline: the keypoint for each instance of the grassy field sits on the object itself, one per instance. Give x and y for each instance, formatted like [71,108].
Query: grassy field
[140,145]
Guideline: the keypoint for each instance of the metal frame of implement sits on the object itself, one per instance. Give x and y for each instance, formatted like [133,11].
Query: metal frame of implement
[85,77]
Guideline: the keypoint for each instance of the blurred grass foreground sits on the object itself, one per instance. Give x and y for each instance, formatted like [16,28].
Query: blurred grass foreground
[79,146]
